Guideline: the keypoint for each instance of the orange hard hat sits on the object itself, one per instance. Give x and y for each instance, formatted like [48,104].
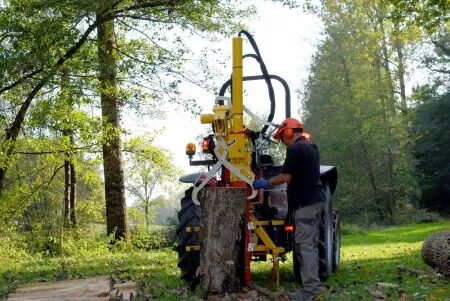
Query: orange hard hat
[288,123]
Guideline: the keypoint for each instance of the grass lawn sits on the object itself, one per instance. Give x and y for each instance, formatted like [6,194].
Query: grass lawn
[381,257]
[390,258]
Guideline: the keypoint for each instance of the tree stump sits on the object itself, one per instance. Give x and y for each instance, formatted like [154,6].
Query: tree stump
[436,252]
[222,258]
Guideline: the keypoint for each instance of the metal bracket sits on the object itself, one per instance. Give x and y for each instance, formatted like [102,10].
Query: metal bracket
[232,168]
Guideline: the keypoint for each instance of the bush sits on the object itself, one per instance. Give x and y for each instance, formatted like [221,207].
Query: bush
[82,241]
[155,237]
[416,216]
[42,241]
[351,229]
[13,246]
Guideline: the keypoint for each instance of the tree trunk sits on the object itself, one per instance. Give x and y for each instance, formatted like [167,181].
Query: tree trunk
[112,152]
[401,74]
[66,192]
[436,252]
[70,183]
[222,258]
[390,203]
[387,68]
[73,192]
[147,222]
[146,201]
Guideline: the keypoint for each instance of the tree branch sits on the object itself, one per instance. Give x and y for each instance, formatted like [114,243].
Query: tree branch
[144,18]
[135,191]
[58,151]
[442,47]
[55,172]
[149,38]
[20,80]
[440,70]
[148,4]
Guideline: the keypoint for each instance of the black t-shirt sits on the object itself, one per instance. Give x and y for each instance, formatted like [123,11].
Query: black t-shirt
[303,164]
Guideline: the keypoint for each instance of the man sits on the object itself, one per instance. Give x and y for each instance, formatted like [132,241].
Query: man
[301,170]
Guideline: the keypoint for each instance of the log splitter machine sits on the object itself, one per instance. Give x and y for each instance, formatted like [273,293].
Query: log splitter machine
[239,155]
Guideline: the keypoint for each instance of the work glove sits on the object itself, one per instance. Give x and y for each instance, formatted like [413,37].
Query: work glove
[262,183]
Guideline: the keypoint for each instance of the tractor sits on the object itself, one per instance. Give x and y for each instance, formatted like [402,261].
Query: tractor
[234,156]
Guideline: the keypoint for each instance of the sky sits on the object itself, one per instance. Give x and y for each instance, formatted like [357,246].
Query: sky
[286,39]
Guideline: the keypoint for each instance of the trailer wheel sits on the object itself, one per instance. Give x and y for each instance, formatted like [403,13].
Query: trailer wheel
[188,262]
[325,246]
[336,240]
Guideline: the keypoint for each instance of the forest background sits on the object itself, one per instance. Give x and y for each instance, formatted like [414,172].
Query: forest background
[70,69]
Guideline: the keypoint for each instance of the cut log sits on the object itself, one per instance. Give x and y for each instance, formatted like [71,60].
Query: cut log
[222,260]
[436,252]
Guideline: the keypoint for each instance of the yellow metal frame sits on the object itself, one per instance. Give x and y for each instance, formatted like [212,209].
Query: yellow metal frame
[268,246]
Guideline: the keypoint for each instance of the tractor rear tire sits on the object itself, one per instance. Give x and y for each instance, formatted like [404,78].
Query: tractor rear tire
[188,261]
[336,240]
[325,246]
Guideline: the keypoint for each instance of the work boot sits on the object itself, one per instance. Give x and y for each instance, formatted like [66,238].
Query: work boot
[306,296]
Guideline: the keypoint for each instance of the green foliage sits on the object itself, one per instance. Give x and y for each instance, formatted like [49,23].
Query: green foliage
[439,59]
[359,123]
[58,70]
[352,229]
[153,238]
[410,215]
[428,14]
[432,152]
[33,197]
[149,170]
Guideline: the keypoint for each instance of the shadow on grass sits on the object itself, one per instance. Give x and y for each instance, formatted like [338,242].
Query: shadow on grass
[405,234]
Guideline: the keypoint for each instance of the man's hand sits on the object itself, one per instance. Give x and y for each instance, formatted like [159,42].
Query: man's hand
[262,183]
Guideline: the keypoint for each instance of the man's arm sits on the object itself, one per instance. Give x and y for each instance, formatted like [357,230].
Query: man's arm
[280,179]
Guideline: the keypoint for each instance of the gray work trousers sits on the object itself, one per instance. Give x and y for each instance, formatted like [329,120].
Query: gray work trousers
[307,221]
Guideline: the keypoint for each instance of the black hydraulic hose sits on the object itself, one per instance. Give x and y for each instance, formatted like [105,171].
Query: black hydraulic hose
[265,74]
[282,81]
[259,77]
[287,94]
[269,87]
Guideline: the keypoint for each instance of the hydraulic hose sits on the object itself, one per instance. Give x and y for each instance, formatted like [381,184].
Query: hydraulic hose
[267,77]
[265,74]
[259,77]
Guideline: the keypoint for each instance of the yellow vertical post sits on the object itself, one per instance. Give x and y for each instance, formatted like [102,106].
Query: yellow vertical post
[236,138]
[237,86]
[239,146]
